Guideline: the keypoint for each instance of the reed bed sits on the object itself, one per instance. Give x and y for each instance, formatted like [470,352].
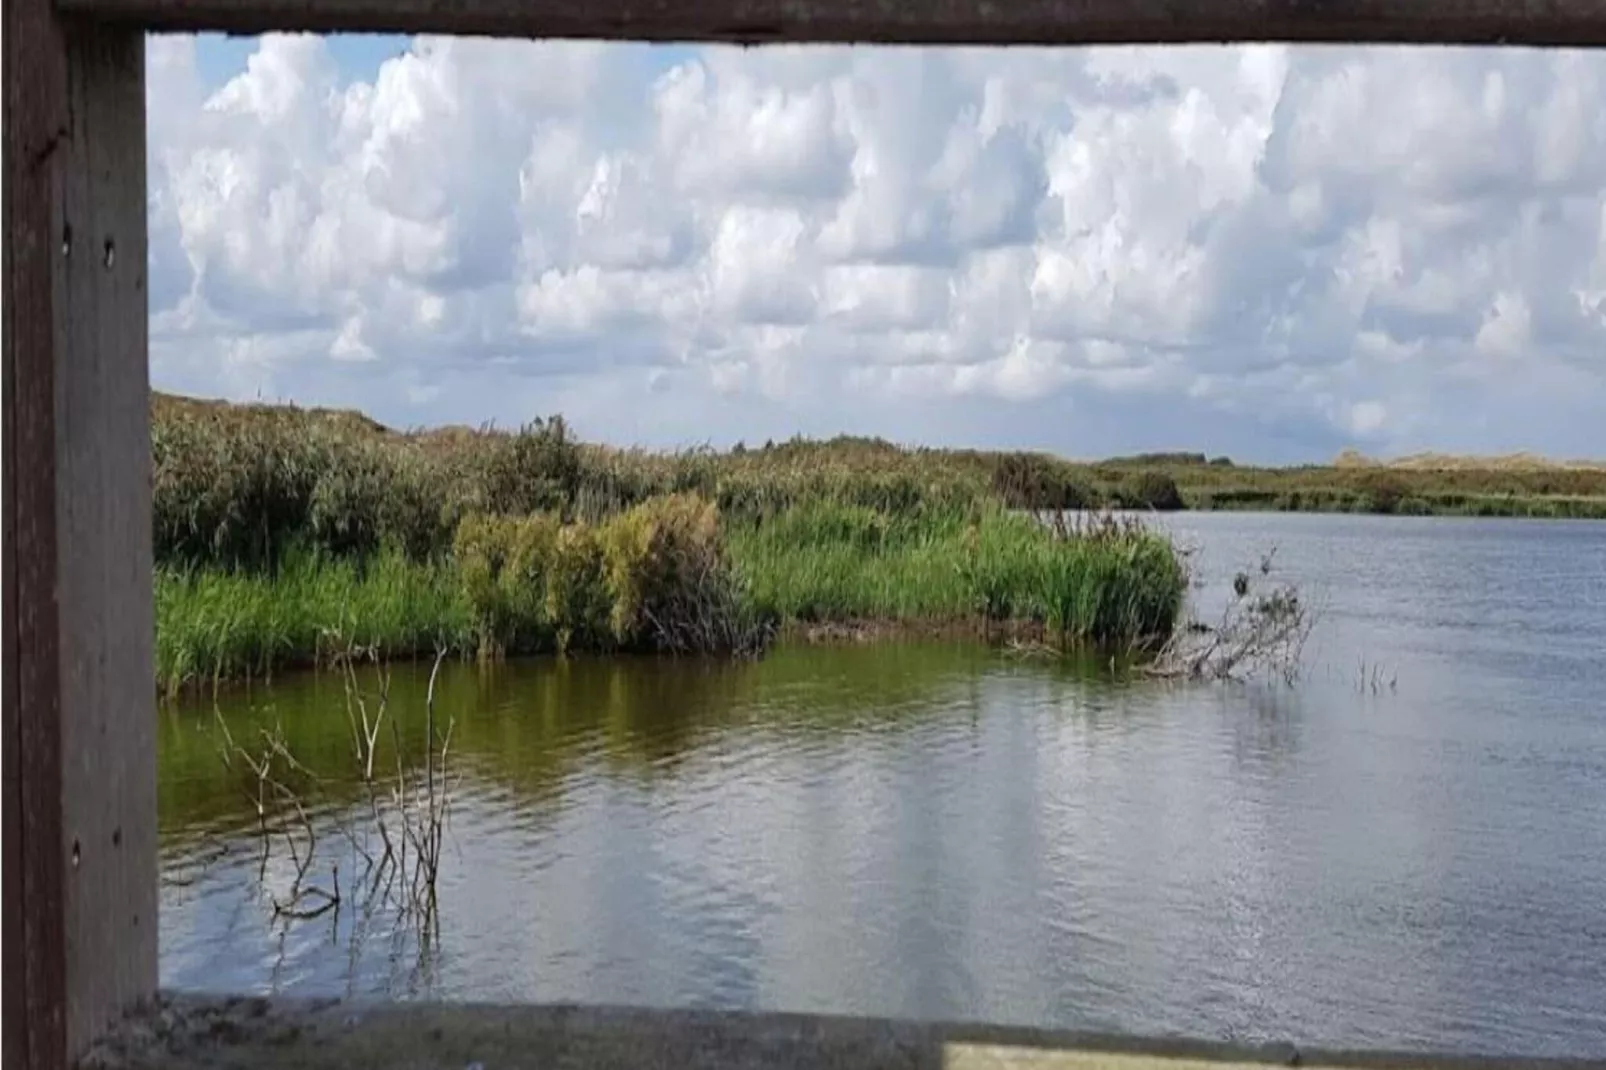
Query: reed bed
[1106,582]
[669,577]
[276,528]
[244,485]
[213,624]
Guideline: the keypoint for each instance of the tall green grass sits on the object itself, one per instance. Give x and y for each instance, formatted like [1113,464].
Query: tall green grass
[654,578]
[241,486]
[1107,583]
[212,623]
[668,576]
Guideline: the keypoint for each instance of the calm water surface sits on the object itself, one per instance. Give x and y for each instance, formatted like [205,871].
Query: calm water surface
[944,832]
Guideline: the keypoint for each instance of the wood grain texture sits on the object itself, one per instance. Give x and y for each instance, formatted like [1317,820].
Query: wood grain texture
[35,961]
[79,719]
[103,510]
[1063,22]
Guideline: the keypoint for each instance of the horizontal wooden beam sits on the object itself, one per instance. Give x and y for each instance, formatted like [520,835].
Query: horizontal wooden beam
[928,22]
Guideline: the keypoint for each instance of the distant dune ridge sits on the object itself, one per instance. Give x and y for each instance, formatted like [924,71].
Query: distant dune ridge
[1449,462]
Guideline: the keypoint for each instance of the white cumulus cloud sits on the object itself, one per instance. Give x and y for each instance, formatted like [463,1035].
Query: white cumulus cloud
[1262,250]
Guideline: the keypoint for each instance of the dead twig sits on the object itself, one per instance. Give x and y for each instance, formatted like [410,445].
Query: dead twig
[402,872]
[1259,632]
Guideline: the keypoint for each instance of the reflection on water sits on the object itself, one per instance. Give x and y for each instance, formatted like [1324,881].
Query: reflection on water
[945,832]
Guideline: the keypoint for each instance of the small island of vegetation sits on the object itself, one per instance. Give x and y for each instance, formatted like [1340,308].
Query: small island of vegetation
[284,536]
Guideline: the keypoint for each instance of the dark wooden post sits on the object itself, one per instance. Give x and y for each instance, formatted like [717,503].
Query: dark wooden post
[79,717]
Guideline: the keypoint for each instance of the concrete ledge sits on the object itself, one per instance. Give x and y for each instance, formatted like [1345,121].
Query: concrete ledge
[185,1032]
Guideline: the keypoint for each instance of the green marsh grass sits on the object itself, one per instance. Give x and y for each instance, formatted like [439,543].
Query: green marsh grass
[241,486]
[668,576]
[275,527]
[1105,583]
[213,624]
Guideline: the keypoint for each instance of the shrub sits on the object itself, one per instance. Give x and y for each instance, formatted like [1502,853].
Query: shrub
[346,509]
[480,550]
[1152,490]
[577,598]
[536,469]
[654,578]
[1035,482]
[238,495]
[671,586]
[420,513]
[1381,492]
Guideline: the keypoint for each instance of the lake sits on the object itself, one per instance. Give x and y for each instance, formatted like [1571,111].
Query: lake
[1406,850]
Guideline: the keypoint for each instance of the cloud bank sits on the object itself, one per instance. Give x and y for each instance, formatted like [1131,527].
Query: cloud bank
[1266,251]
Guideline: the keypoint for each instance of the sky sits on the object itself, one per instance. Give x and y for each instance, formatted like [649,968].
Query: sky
[1268,252]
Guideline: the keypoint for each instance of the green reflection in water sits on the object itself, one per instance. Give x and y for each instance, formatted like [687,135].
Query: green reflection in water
[523,726]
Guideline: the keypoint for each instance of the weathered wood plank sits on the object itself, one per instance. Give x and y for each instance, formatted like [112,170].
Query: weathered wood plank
[79,722]
[1063,22]
[35,962]
[103,516]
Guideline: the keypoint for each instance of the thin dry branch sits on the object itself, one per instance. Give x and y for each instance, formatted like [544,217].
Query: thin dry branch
[403,873]
[1258,632]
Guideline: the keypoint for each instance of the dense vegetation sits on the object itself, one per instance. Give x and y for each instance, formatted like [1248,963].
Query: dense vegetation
[1098,580]
[280,532]
[242,485]
[283,535]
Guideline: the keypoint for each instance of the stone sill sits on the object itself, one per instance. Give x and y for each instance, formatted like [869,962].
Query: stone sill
[188,1032]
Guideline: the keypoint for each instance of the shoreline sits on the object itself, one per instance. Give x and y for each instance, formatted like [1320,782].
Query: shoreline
[283,536]
[669,578]
[996,636]
[1488,507]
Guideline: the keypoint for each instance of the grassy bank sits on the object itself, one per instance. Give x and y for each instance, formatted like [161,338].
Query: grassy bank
[280,531]
[212,623]
[242,485]
[667,576]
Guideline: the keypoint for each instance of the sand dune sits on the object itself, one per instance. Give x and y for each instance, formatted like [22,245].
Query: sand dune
[1502,462]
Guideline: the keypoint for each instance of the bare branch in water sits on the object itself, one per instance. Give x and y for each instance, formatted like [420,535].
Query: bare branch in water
[1259,632]
[281,788]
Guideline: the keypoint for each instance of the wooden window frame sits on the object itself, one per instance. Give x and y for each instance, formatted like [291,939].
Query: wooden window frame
[79,743]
